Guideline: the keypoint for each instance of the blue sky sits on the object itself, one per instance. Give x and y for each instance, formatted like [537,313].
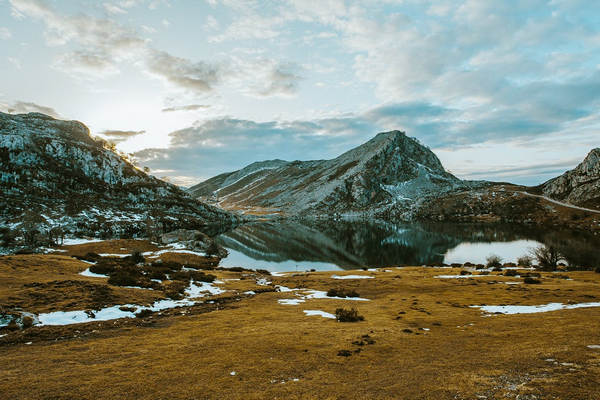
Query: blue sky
[500,90]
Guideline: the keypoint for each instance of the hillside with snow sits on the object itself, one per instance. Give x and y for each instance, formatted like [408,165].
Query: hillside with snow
[391,169]
[54,174]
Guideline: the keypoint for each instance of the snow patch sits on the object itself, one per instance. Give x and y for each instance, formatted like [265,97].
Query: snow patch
[319,313]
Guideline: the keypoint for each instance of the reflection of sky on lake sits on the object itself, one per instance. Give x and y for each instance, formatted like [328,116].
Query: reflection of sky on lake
[477,253]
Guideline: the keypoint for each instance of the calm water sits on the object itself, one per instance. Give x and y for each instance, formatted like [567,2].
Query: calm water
[329,245]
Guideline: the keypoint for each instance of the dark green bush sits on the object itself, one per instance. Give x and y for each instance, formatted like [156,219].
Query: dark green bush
[531,281]
[342,293]
[343,315]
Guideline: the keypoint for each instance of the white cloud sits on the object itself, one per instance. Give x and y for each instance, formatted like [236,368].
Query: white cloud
[5,33]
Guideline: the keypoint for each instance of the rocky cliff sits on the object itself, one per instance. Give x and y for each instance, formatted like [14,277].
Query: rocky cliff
[52,173]
[390,169]
[579,186]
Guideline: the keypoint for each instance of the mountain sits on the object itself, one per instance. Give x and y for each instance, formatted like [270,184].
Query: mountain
[579,186]
[389,169]
[53,173]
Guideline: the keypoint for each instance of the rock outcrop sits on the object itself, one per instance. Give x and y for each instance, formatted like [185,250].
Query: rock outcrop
[579,186]
[54,174]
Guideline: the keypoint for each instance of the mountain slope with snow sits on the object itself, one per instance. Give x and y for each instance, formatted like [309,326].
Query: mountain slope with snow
[389,169]
[53,172]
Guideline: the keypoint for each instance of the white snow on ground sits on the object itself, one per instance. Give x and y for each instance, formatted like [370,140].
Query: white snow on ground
[72,242]
[262,282]
[352,277]
[114,312]
[278,273]
[319,294]
[290,302]
[113,255]
[309,294]
[534,309]
[319,313]
[87,272]
[593,346]
[284,289]
[151,254]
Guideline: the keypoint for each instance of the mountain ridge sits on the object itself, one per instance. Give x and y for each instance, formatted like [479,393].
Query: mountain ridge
[53,173]
[391,167]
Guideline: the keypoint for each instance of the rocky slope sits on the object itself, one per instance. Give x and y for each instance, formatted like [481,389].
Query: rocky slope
[53,174]
[579,186]
[390,169]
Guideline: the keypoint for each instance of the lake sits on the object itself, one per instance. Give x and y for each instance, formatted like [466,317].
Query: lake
[291,245]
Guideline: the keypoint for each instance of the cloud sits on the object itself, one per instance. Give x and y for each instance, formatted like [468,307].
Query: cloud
[22,107]
[105,44]
[197,77]
[190,107]
[5,33]
[120,136]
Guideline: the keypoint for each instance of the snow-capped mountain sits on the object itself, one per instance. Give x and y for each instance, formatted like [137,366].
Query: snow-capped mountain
[56,171]
[389,169]
[579,186]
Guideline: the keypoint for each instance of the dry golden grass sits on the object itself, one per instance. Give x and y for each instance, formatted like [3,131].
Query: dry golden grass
[464,354]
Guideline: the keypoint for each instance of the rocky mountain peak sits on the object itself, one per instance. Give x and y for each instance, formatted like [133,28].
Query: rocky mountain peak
[579,186]
[390,167]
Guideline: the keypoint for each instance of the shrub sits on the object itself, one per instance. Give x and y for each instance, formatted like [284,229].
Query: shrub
[524,261]
[463,272]
[137,257]
[344,353]
[264,271]
[342,293]
[123,277]
[548,257]
[93,257]
[597,270]
[511,272]
[493,261]
[27,322]
[343,315]
[144,313]
[200,276]
[531,281]
[212,249]
[103,267]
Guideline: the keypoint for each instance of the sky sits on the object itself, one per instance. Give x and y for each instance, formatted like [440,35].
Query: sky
[499,90]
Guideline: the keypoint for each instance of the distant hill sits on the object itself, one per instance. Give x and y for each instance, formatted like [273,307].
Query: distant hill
[389,169]
[579,186]
[52,173]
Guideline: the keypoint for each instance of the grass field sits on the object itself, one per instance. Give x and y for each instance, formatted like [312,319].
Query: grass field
[420,337]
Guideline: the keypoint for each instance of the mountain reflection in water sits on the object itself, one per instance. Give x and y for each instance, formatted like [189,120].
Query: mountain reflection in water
[327,245]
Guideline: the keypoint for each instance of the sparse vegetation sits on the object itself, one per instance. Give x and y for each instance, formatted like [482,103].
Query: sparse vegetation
[341,292]
[524,261]
[493,261]
[344,315]
[531,281]
[144,313]
[548,257]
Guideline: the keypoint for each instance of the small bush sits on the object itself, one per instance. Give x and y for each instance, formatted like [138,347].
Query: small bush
[524,261]
[264,271]
[212,249]
[27,322]
[343,315]
[342,293]
[200,276]
[123,278]
[511,272]
[531,281]
[137,257]
[463,272]
[548,257]
[344,353]
[103,267]
[144,313]
[493,261]
[597,270]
